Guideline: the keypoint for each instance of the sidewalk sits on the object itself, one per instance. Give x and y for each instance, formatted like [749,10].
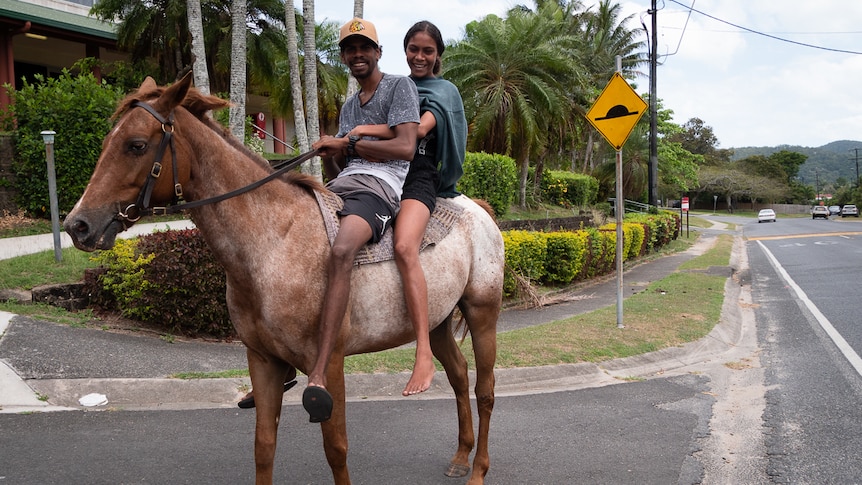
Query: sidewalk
[62,364]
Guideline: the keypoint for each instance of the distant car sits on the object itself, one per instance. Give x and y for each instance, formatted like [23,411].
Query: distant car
[820,211]
[849,210]
[834,210]
[766,215]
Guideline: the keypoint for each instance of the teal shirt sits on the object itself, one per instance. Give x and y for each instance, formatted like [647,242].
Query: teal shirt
[443,100]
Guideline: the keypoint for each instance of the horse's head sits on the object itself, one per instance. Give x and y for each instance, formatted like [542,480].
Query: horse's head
[144,162]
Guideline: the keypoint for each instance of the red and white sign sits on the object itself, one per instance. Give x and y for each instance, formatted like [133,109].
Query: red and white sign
[260,122]
[685,204]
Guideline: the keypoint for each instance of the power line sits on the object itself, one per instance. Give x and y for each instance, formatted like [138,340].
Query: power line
[763,33]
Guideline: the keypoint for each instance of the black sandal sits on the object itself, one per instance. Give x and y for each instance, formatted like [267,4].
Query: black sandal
[317,401]
[248,401]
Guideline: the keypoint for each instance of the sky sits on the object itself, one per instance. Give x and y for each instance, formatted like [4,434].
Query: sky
[792,86]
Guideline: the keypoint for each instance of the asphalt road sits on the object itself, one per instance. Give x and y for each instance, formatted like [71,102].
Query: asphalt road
[637,432]
[806,288]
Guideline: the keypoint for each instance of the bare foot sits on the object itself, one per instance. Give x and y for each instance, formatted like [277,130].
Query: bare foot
[420,380]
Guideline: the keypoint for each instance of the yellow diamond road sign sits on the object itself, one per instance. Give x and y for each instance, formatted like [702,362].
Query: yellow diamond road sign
[616,111]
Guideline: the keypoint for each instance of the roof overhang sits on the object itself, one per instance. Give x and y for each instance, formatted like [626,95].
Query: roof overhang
[14,15]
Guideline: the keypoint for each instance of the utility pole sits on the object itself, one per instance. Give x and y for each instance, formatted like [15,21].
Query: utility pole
[857,164]
[817,186]
[653,111]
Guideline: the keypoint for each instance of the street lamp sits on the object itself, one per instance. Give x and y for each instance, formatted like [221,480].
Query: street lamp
[48,137]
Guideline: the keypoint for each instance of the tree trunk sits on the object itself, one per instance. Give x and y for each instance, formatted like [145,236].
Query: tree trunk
[588,153]
[522,183]
[312,119]
[238,68]
[295,78]
[199,55]
[352,83]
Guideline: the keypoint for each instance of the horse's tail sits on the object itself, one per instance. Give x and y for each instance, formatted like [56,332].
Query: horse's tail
[490,210]
[460,326]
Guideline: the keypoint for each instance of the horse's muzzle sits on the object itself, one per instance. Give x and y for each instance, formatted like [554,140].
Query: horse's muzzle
[88,235]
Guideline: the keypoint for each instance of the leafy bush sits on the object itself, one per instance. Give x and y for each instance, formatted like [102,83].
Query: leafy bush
[567,255]
[525,256]
[568,189]
[660,228]
[168,278]
[492,178]
[602,253]
[78,108]
[633,238]
[122,281]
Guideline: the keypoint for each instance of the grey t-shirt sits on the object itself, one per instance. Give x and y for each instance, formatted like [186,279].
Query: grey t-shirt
[395,101]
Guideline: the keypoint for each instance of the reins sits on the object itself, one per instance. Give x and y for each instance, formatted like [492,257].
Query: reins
[141,207]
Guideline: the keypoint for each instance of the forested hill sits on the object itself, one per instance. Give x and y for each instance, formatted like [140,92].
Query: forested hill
[829,162]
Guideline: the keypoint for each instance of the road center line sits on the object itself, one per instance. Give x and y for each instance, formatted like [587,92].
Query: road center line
[845,348]
[845,235]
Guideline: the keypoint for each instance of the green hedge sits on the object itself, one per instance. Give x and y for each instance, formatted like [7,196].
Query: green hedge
[569,189]
[633,238]
[78,108]
[493,178]
[565,257]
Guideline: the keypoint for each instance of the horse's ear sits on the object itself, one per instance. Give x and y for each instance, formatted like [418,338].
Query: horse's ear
[198,104]
[149,84]
[174,95]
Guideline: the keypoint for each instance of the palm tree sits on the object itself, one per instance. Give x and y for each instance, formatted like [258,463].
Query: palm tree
[290,15]
[199,55]
[513,74]
[606,36]
[331,74]
[358,11]
[238,69]
[150,29]
[310,69]
[157,29]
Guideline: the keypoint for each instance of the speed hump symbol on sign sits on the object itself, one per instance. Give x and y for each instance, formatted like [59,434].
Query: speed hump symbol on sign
[616,111]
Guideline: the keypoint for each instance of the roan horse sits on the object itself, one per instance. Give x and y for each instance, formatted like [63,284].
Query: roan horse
[273,246]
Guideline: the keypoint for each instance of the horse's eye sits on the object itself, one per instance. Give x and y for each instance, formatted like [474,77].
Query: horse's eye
[137,147]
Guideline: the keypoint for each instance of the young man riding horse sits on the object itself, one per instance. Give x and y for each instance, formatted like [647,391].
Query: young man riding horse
[368,174]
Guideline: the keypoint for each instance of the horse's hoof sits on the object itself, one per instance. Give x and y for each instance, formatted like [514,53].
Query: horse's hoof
[456,470]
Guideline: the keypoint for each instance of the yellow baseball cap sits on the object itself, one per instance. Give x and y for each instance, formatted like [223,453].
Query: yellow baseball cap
[358,26]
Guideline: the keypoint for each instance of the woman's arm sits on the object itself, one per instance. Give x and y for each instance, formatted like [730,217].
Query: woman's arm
[401,147]
[426,123]
[381,132]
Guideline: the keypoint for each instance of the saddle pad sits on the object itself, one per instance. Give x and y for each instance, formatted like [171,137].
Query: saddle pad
[441,222]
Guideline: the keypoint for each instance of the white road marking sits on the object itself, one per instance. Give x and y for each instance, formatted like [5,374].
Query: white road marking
[845,348]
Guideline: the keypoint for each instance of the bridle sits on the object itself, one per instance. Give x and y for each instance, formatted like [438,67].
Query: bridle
[141,207]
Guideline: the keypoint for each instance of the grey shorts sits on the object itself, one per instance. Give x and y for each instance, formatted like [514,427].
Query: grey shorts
[372,208]
[368,197]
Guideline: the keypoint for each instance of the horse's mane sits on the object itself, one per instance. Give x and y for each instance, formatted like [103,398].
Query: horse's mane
[200,106]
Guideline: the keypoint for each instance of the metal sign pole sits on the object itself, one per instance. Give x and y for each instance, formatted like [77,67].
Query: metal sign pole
[620,210]
[48,137]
